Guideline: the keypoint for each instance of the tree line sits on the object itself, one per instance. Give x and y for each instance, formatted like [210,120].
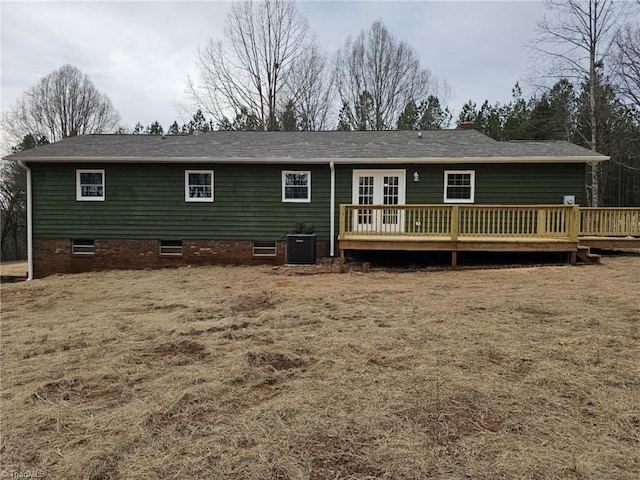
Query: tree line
[268,72]
[563,113]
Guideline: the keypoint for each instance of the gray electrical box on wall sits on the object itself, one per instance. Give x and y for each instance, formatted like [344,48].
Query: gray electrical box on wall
[569,200]
[301,249]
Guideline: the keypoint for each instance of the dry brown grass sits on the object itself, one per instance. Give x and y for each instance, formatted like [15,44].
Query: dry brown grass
[259,373]
[13,269]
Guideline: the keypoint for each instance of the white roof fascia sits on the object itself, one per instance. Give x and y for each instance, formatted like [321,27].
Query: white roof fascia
[249,160]
[455,160]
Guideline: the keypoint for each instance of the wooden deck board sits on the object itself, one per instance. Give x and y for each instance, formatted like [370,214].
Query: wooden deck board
[610,242]
[463,244]
[432,238]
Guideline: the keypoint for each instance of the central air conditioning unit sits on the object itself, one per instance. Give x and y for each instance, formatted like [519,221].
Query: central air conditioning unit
[301,249]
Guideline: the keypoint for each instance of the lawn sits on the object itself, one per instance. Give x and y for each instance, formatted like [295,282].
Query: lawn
[278,373]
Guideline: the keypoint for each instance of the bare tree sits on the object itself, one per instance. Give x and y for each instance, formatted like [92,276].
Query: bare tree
[376,63]
[13,203]
[311,89]
[62,104]
[627,64]
[252,68]
[574,40]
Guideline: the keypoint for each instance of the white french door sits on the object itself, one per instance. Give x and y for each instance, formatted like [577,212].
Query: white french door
[378,187]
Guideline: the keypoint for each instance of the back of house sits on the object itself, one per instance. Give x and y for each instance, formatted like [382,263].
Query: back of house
[138,201]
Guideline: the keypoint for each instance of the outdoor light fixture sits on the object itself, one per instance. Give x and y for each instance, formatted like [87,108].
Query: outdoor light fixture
[416,177]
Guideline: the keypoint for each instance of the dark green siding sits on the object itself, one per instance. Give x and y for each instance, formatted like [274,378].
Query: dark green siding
[147,201]
[518,184]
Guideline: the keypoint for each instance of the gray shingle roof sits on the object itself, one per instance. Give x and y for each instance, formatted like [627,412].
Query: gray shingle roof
[304,146]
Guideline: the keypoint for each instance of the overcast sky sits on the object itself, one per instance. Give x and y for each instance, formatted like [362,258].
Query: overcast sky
[140,52]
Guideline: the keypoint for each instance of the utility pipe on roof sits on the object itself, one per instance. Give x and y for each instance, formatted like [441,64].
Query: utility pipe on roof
[332,210]
[23,165]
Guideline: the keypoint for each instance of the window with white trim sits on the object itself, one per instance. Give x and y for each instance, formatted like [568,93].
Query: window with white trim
[90,185]
[459,186]
[296,186]
[198,185]
[171,247]
[264,248]
[83,246]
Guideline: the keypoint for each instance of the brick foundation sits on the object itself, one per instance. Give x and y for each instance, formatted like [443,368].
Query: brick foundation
[51,256]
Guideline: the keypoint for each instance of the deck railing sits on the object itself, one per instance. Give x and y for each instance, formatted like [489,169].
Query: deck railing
[454,221]
[609,222]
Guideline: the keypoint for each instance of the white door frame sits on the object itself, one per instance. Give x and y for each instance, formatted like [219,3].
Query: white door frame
[378,221]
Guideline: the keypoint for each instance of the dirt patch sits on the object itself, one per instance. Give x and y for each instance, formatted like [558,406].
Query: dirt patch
[275,361]
[75,390]
[179,409]
[228,328]
[322,266]
[253,303]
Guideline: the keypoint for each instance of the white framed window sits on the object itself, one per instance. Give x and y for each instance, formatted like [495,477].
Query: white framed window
[296,186]
[459,186]
[83,246]
[198,185]
[90,185]
[171,247]
[264,248]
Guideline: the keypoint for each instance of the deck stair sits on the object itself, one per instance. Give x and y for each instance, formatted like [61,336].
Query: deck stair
[584,254]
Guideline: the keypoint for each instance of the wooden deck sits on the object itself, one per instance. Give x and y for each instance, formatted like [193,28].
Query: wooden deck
[487,228]
[610,227]
[609,243]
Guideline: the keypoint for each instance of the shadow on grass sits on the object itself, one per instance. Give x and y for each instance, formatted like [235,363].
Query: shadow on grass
[420,260]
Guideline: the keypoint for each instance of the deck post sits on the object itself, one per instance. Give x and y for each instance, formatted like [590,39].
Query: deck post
[542,223]
[343,216]
[342,260]
[455,222]
[574,223]
[455,231]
